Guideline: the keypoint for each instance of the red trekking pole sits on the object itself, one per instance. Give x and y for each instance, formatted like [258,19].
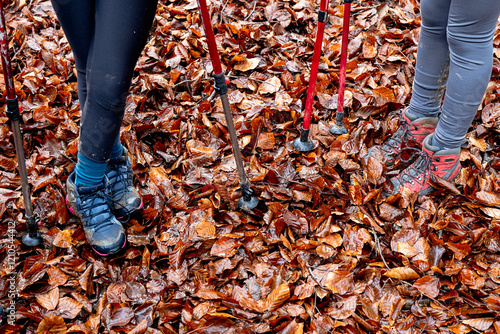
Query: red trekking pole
[338,128]
[32,238]
[247,201]
[303,143]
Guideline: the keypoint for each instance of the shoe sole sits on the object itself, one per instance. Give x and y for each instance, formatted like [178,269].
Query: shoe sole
[132,212]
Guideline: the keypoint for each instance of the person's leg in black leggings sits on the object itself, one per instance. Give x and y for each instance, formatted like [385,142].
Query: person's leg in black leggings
[77,19]
[107,37]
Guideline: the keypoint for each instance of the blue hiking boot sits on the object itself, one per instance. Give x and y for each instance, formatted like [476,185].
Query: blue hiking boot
[125,200]
[104,232]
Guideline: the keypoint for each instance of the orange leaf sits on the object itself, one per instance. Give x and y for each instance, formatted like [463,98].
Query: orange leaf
[68,308]
[225,247]
[325,251]
[459,249]
[344,308]
[64,239]
[383,95]
[271,85]
[52,325]
[428,285]
[277,297]
[56,276]
[488,198]
[266,141]
[49,300]
[246,64]
[403,273]
[339,281]
[481,324]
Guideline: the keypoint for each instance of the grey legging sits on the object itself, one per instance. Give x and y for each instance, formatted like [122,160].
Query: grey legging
[455,53]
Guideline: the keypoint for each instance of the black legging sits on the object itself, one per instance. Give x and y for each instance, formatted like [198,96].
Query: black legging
[107,38]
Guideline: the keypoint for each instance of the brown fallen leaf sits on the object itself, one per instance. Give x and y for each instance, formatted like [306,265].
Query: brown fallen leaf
[481,324]
[428,285]
[403,273]
[49,300]
[277,297]
[52,325]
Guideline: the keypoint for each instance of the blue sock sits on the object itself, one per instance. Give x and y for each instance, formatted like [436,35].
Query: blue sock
[89,173]
[117,150]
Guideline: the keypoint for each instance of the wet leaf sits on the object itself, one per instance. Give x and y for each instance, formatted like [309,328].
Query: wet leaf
[271,85]
[403,273]
[428,285]
[277,297]
[480,324]
[52,325]
[225,247]
[68,308]
[49,300]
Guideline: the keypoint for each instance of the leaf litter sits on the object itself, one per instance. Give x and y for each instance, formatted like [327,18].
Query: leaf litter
[324,252]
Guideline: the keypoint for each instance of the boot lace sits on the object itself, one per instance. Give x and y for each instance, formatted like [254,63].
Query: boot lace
[96,204]
[419,170]
[119,180]
[403,133]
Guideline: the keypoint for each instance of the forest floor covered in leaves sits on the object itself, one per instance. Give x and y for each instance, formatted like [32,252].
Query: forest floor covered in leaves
[324,252]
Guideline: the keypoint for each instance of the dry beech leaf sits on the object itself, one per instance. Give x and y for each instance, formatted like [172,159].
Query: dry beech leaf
[56,276]
[488,198]
[141,327]
[491,212]
[344,308]
[68,308]
[481,324]
[225,247]
[49,300]
[305,290]
[266,141]
[461,250]
[64,239]
[277,297]
[403,273]
[339,281]
[247,64]
[271,85]
[52,325]
[428,285]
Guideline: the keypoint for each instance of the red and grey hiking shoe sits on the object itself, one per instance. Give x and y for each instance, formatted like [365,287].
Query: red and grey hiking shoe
[431,162]
[125,200]
[103,231]
[412,131]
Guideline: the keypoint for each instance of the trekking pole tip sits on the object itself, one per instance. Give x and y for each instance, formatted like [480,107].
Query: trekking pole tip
[338,129]
[247,202]
[32,241]
[32,238]
[303,143]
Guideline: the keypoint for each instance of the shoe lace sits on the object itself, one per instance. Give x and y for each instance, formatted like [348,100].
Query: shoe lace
[119,178]
[424,165]
[122,178]
[394,142]
[96,204]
